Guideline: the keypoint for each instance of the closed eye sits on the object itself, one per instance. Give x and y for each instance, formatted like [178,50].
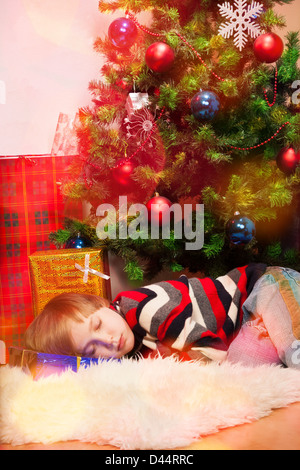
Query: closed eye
[97,325]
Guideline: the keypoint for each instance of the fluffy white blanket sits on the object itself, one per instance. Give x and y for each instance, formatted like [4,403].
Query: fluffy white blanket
[146,404]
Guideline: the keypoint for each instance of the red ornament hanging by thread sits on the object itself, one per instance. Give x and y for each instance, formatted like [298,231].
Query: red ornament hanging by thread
[157,207]
[159,57]
[268,48]
[288,160]
[123,172]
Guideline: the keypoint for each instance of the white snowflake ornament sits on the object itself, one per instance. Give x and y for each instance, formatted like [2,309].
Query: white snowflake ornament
[140,126]
[241,22]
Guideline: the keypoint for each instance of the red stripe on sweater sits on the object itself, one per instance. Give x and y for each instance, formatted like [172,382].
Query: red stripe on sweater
[242,286]
[215,301]
[220,334]
[130,316]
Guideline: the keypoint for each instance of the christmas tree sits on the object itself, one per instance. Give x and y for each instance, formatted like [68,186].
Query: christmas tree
[198,107]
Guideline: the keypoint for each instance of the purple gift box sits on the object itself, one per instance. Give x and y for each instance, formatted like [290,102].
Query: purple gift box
[42,364]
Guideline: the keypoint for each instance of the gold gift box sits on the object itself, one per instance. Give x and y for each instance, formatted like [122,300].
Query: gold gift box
[54,272]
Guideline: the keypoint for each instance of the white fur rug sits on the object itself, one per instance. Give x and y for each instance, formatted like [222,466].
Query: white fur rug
[146,404]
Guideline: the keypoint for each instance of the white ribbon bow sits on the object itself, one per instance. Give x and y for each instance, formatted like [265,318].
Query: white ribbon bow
[86,270]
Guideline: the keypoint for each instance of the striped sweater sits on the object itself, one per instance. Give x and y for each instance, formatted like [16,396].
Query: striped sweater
[192,316]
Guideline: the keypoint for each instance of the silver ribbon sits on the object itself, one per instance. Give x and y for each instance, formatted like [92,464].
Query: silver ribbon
[86,270]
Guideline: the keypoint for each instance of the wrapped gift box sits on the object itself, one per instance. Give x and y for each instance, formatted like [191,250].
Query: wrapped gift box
[65,139]
[54,272]
[42,365]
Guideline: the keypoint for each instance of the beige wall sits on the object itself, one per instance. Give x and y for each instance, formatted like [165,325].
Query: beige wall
[292,14]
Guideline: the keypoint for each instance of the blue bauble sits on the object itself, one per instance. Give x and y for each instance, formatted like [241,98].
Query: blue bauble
[240,230]
[122,32]
[205,105]
[78,242]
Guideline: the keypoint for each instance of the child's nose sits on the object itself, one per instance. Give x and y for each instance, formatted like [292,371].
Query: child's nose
[109,340]
[110,337]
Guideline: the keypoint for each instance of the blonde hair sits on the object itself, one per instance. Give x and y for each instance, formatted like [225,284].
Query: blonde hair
[50,332]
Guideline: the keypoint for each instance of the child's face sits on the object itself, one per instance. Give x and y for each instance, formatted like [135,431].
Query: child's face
[103,334]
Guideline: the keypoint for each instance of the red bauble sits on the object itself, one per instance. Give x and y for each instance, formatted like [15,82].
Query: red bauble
[159,57]
[122,174]
[268,48]
[288,160]
[157,206]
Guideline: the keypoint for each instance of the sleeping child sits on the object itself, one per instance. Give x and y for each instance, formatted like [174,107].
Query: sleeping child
[251,316]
